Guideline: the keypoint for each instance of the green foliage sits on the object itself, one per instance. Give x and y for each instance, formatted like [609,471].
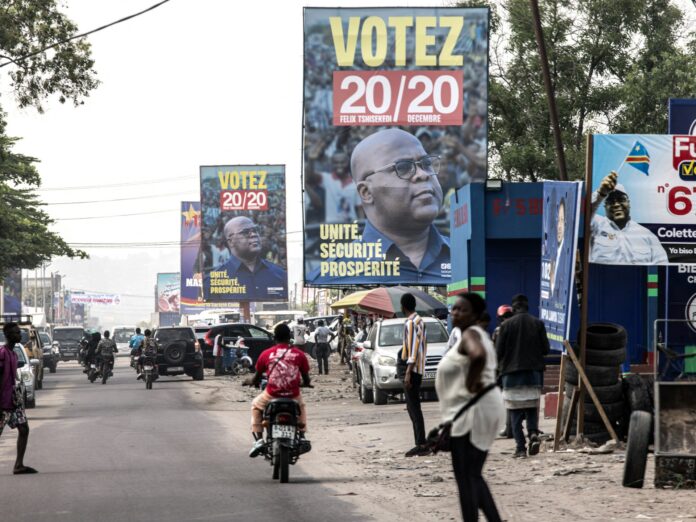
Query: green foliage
[27,27]
[613,66]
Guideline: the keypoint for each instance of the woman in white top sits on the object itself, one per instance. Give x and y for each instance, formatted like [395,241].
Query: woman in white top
[463,372]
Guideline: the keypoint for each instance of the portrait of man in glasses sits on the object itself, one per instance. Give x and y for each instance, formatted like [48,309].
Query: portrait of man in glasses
[245,267]
[401,196]
[616,238]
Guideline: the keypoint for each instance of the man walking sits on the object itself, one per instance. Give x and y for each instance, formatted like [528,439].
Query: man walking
[11,405]
[322,351]
[299,334]
[521,346]
[413,351]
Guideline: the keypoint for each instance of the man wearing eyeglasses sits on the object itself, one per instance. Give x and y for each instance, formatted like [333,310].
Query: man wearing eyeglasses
[616,239]
[257,277]
[401,197]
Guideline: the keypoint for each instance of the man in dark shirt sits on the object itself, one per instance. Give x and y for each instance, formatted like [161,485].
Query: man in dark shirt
[260,278]
[521,346]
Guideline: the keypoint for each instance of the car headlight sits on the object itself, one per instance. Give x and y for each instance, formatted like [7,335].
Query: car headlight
[27,377]
[385,360]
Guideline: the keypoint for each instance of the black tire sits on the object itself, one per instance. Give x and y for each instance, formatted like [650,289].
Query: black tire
[276,461]
[614,357]
[380,396]
[613,410]
[598,375]
[92,375]
[53,368]
[39,384]
[198,374]
[606,336]
[175,353]
[605,394]
[365,393]
[105,374]
[284,464]
[637,449]
[638,396]
[148,381]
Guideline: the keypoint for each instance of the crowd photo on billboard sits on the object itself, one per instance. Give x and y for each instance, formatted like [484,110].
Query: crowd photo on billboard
[395,120]
[243,237]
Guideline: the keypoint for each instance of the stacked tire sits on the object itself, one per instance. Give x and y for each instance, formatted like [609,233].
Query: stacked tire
[606,352]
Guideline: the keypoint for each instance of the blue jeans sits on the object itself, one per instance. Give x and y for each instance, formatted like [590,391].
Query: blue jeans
[228,357]
[532,415]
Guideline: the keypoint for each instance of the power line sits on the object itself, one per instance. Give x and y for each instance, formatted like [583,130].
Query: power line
[117,215]
[117,199]
[16,61]
[114,185]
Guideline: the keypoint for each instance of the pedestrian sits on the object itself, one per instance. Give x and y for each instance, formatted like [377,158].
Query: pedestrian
[413,352]
[218,354]
[345,340]
[466,370]
[521,346]
[504,312]
[322,339]
[299,332]
[11,402]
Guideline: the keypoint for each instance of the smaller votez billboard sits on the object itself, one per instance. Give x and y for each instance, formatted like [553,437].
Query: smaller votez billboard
[649,218]
[243,240]
[168,292]
[558,249]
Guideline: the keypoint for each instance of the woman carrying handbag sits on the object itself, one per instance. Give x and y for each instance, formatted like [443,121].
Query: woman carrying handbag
[471,402]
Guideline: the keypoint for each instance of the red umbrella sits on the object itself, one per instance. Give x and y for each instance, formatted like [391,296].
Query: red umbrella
[387,302]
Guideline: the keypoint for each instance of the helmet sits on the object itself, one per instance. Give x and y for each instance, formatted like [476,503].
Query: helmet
[503,309]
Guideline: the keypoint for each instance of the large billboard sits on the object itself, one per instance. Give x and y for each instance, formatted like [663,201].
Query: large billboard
[643,199]
[243,241]
[559,243]
[395,120]
[168,292]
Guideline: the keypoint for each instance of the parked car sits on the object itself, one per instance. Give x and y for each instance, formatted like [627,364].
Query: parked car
[376,366]
[51,353]
[31,343]
[68,339]
[122,336]
[255,338]
[178,352]
[25,375]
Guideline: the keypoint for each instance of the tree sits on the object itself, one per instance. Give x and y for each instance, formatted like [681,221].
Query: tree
[27,28]
[613,63]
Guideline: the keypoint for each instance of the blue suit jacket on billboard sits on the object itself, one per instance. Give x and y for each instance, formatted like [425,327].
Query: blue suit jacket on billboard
[435,268]
[265,276]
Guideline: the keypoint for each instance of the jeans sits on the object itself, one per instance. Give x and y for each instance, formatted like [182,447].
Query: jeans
[467,461]
[532,415]
[322,352]
[413,405]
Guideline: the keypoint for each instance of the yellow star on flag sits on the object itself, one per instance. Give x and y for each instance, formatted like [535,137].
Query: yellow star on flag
[191,215]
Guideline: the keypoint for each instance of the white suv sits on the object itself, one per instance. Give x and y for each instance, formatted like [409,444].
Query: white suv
[377,365]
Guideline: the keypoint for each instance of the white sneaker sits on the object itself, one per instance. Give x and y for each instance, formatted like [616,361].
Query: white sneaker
[257,448]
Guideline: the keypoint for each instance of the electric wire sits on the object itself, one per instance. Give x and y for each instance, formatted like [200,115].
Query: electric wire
[115,185]
[132,198]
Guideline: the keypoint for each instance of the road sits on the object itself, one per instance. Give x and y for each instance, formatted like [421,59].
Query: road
[118,452]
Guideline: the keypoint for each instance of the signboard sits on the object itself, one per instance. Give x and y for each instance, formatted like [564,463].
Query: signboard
[395,114]
[168,292]
[559,242]
[84,298]
[460,224]
[649,218]
[243,241]
[12,292]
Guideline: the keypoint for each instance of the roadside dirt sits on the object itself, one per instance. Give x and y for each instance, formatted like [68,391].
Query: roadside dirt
[358,452]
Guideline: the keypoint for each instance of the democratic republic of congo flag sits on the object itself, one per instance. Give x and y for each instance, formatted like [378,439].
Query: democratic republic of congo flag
[639,158]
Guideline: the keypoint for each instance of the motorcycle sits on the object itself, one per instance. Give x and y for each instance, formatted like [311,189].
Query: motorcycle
[150,373]
[105,369]
[93,371]
[283,443]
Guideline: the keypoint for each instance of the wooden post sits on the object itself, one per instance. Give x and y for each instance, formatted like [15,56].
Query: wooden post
[569,419]
[559,405]
[585,283]
[583,377]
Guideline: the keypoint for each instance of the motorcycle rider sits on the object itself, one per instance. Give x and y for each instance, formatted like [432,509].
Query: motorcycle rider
[136,339]
[106,349]
[148,348]
[285,366]
[91,355]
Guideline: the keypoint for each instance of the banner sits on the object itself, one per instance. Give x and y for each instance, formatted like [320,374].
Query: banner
[648,219]
[84,298]
[12,292]
[243,242]
[168,292]
[559,243]
[460,223]
[395,120]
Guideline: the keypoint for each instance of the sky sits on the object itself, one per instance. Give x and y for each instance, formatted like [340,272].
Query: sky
[191,83]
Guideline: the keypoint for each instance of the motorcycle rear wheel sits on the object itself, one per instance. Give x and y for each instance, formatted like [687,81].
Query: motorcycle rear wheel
[284,465]
[148,381]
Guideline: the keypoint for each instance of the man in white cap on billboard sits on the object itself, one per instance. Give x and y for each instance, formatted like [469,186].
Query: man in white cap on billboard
[616,238]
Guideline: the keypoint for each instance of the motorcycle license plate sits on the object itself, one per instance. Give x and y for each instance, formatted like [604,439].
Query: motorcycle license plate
[430,375]
[94,366]
[280,431]
[149,368]
[175,369]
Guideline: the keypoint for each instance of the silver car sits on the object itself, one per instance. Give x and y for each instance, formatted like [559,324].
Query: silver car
[377,364]
[25,375]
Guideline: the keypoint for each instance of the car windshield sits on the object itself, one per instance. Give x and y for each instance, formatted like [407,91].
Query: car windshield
[45,338]
[20,354]
[68,334]
[123,335]
[25,337]
[393,334]
[175,334]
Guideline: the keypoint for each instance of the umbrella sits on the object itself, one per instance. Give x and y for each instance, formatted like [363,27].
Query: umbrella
[387,302]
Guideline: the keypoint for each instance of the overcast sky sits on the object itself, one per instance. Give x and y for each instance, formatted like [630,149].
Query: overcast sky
[191,83]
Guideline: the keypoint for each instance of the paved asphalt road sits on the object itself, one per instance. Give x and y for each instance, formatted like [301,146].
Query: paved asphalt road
[118,452]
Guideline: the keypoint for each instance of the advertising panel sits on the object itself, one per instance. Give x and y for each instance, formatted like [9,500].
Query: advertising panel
[12,292]
[168,292]
[460,223]
[559,242]
[395,120]
[243,240]
[648,219]
[84,298]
